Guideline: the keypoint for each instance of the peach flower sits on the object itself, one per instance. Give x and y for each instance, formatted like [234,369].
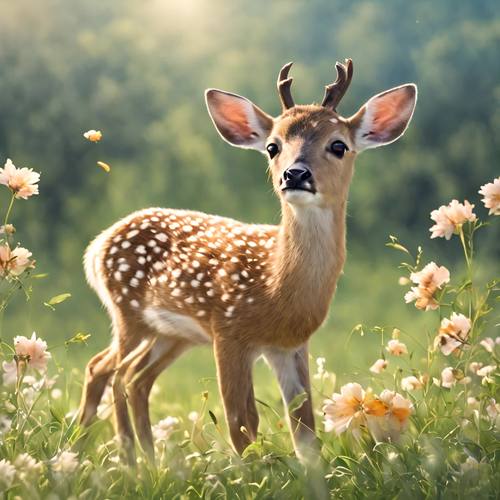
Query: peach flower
[491,193]
[449,218]
[411,383]
[488,343]
[430,279]
[15,261]
[22,181]
[452,333]
[397,348]
[35,348]
[93,135]
[379,366]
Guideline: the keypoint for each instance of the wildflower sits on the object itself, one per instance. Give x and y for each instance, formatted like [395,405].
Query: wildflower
[9,372]
[66,462]
[491,193]
[448,379]
[93,135]
[430,279]
[397,348]
[7,229]
[411,383]
[27,466]
[194,416]
[56,394]
[486,370]
[35,348]
[403,280]
[488,343]
[475,366]
[164,428]
[7,473]
[473,403]
[449,218]
[452,333]
[345,410]
[379,366]
[22,181]
[493,411]
[15,261]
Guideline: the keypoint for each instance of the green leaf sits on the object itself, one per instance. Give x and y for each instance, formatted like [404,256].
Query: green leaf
[213,417]
[39,276]
[57,299]
[297,402]
[78,338]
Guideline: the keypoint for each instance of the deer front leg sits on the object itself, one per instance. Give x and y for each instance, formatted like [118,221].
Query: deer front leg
[234,373]
[292,369]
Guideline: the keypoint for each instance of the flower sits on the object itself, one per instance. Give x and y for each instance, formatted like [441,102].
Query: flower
[7,229]
[164,428]
[397,348]
[452,333]
[491,193]
[35,348]
[430,279]
[15,261]
[411,383]
[27,466]
[194,416]
[9,372]
[22,181]
[345,410]
[488,343]
[474,366]
[379,366]
[7,473]
[450,217]
[93,135]
[448,379]
[486,370]
[493,411]
[66,462]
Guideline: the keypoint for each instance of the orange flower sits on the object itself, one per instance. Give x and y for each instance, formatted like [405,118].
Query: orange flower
[93,135]
[452,333]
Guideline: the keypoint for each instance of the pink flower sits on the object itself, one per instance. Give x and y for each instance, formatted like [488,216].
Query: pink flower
[450,217]
[430,279]
[452,333]
[35,348]
[379,366]
[22,181]
[448,379]
[396,347]
[491,193]
[15,261]
[411,383]
[488,343]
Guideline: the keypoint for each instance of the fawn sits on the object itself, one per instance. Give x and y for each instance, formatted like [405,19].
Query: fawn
[173,279]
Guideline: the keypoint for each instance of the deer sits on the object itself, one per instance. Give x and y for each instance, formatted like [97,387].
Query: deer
[174,279]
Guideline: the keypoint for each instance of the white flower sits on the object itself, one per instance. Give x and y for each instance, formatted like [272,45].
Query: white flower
[397,348]
[27,466]
[164,428]
[453,333]
[7,473]
[488,343]
[486,370]
[491,193]
[56,393]
[430,279]
[93,135]
[35,348]
[450,217]
[448,379]
[194,416]
[475,366]
[22,181]
[14,262]
[379,366]
[411,383]
[66,462]
[9,376]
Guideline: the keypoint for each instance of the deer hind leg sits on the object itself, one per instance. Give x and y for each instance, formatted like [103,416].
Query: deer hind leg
[292,370]
[234,373]
[141,376]
[98,372]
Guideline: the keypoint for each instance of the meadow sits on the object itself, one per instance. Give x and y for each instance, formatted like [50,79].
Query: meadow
[424,346]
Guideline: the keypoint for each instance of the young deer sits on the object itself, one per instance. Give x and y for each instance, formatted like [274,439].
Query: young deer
[172,279]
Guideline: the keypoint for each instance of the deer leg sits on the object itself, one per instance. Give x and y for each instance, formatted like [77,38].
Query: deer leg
[142,375]
[234,373]
[292,370]
[97,374]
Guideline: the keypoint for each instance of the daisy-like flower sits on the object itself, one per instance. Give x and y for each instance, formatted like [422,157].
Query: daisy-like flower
[449,218]
[66,462]
[453,333]
[488,343]
[9,376]
[411,383]
[430,279]
[27,466]
[7,473]
[164,428]
[475,366]
[14,262]
[379,366]
[22,181]
[36,350]
[491,193]
[396,348]
[93,135]
[345,410]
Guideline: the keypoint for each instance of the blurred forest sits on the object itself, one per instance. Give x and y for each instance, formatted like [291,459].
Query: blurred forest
[137,72]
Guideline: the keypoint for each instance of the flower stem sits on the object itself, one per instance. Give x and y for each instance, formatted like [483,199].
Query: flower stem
[9,210]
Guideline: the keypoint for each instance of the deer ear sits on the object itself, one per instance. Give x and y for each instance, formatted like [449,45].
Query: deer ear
[384,117]
[238,121]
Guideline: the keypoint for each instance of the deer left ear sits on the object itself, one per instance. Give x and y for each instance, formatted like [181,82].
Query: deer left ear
[384,118]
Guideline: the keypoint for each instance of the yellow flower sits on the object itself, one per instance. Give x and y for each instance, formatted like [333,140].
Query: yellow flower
[93,135]
[22,181]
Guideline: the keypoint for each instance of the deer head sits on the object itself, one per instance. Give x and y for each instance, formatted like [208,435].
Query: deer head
[311,148]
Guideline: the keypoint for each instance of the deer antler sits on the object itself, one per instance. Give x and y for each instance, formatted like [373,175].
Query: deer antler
[336,90]
[284,83]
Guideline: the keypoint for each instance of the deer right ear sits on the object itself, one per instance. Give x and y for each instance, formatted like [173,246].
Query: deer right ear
[238,121]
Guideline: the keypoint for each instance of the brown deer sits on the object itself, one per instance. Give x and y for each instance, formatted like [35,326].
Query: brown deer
[173,279]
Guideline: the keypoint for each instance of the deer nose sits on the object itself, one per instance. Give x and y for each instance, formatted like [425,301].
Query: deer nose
[298,176]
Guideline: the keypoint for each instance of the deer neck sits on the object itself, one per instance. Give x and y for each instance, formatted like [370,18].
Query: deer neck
[309,256]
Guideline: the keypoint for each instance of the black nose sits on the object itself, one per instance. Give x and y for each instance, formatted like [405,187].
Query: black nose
[298,176]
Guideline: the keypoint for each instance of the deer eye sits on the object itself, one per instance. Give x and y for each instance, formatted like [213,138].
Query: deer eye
[273,149]
[338,148]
